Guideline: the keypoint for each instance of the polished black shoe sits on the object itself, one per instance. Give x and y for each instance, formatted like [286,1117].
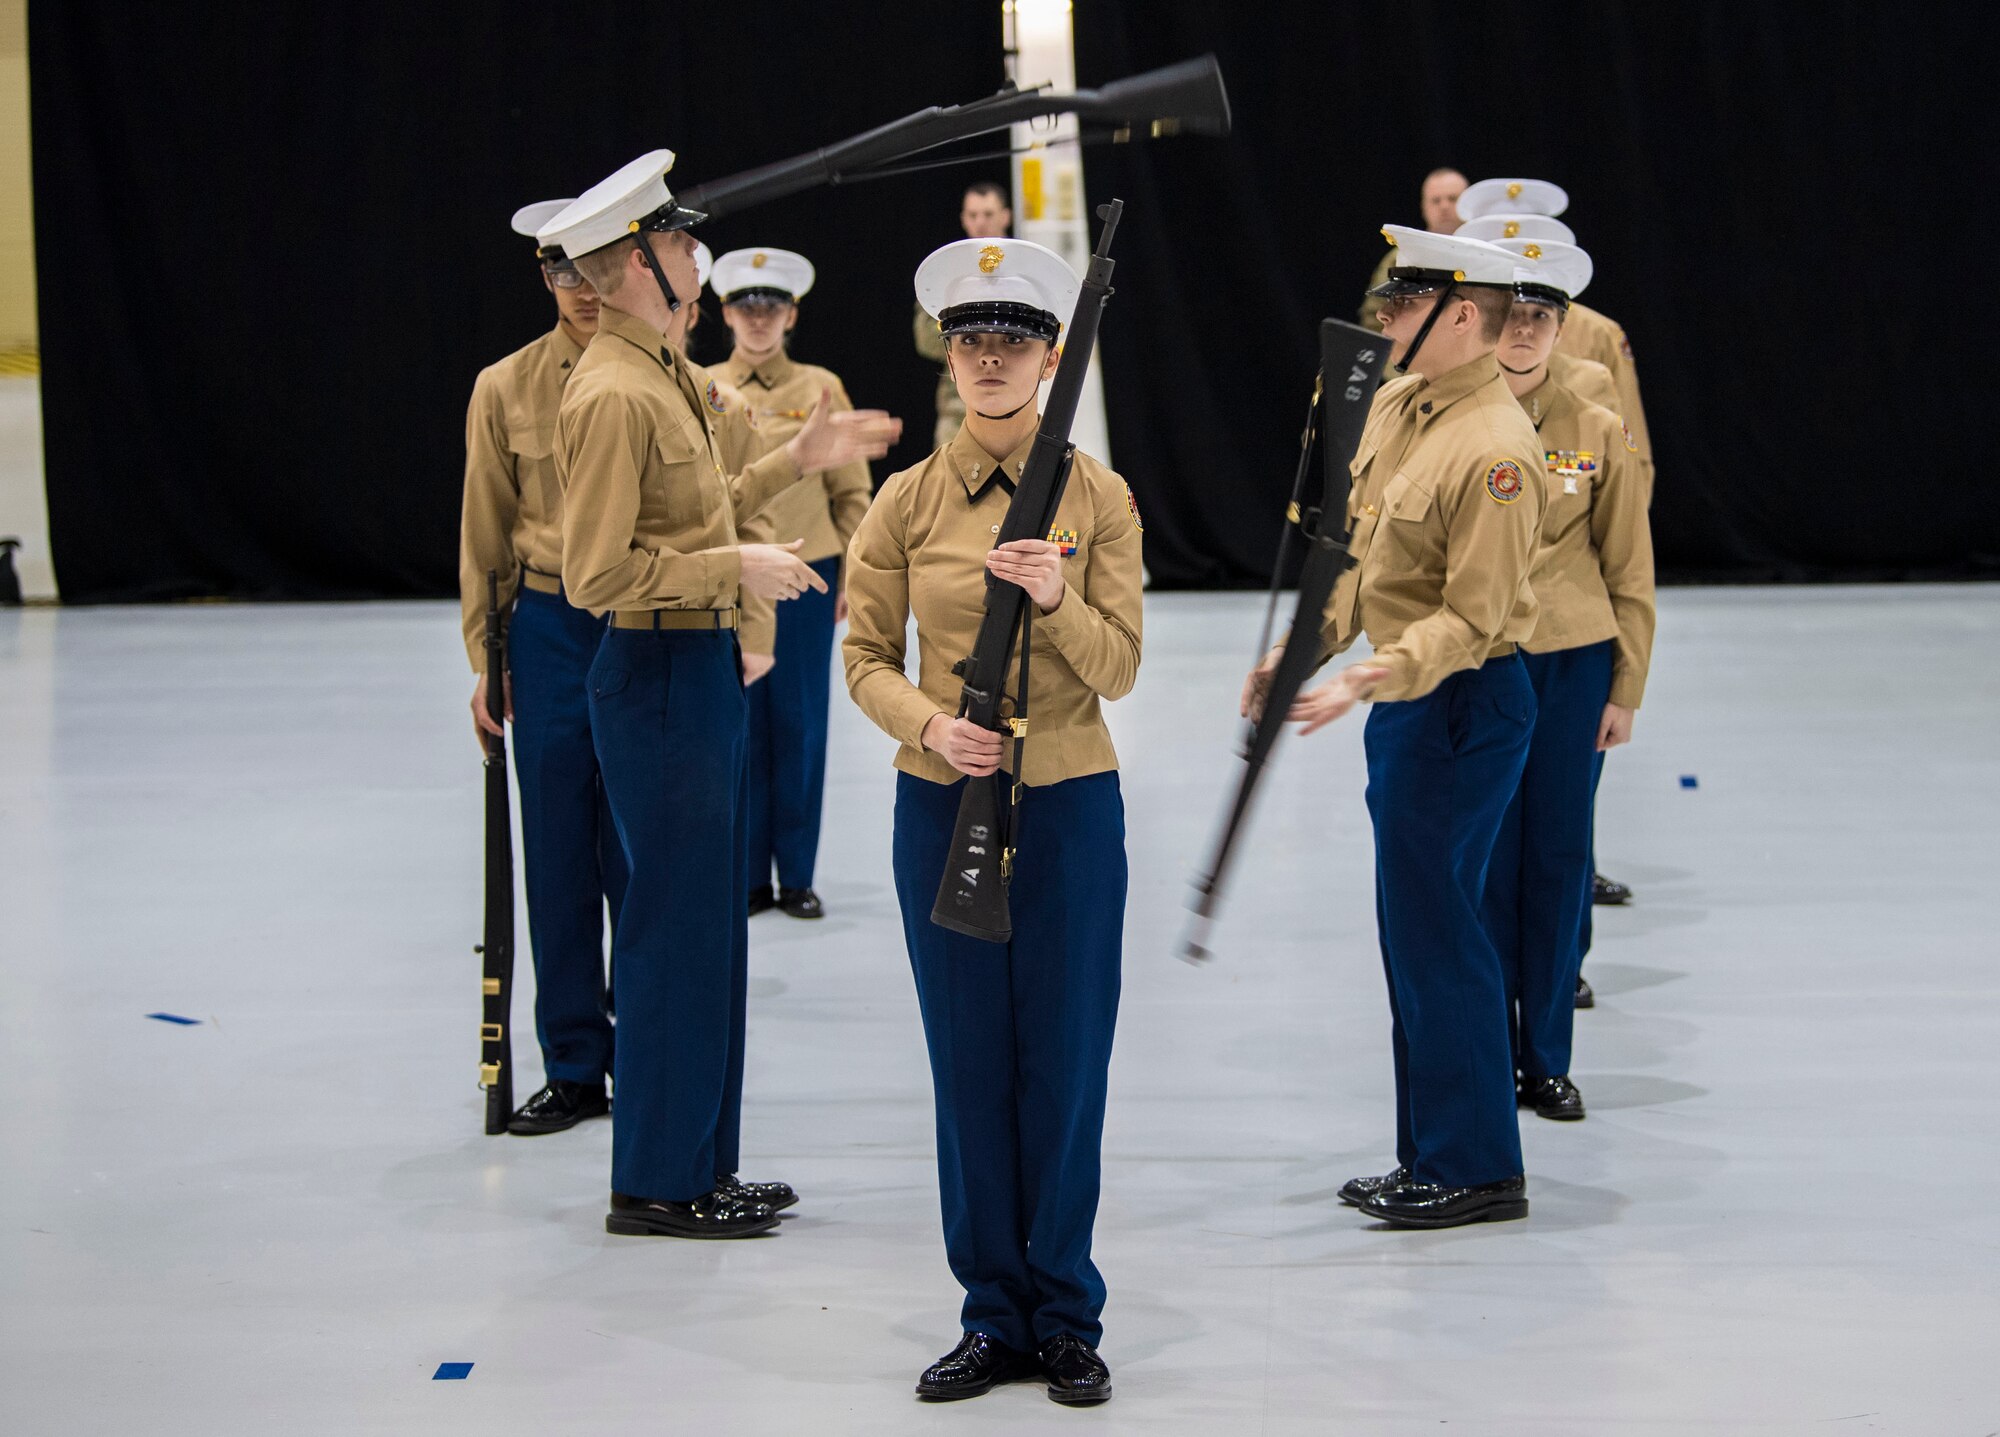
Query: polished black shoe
[1077,1375]
[559,1105]
[1608,892]
[1553,1098]
[801,903]
[762,900]
[1417,1204]
[1585,998]
[714,1214]
[1356,1191]
[775,1196]
[973,1367]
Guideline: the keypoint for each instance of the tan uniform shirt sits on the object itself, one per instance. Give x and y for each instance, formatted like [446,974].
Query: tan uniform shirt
[512,515]
[950,408]
[1590,335]
[1445,510]
[1593,574]
[1370,305]
[922,548]
[649,510]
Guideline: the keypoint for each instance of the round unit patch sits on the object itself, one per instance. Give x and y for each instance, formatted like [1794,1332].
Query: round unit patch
[715,399]
[1630,443]
[1503,481]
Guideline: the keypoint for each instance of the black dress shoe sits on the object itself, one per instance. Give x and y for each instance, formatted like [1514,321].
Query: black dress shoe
[1077,1375]
[713,1214]
[1608,892]
[1355,1191]
[1584,997]
[972,1368]
[560,1104]
[1417,1204]
[801,903]
[761,900]
[1555,1098]
[775,1196]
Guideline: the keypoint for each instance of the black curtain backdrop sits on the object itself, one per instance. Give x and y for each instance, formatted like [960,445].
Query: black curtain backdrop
[273,252]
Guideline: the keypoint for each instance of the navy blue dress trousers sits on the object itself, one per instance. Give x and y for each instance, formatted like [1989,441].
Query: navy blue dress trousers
[785,763]
[1020,1046]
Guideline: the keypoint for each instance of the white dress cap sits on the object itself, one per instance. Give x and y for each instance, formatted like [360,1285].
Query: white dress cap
[704,261]
[763,274]
[1436,257]
[1548,265]
[1495,228]
[635,197]
[1511,197]
[998,286]
[529,219]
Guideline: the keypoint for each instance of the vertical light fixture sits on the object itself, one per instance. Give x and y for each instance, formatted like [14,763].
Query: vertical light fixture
[1049,205]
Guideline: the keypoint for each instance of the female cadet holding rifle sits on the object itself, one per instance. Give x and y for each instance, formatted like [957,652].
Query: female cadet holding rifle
[1019,1032]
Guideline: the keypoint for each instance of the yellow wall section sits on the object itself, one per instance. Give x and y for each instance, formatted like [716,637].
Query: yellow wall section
[17,234]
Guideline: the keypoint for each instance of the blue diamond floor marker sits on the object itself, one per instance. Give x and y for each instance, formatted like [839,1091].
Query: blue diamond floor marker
[1688,780]
[175,1018]
[452,1372]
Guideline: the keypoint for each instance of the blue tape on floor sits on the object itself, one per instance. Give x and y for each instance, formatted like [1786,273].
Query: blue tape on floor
[175,1018]
[452,1372]
[1688,780]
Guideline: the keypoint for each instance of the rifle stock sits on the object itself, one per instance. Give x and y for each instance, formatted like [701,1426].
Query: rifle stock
[496,1044]
[972,898]
[1351,365]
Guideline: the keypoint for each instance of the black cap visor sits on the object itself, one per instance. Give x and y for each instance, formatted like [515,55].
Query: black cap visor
[1000,317]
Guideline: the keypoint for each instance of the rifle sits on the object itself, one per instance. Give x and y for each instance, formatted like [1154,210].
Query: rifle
[972,898]
[496,985]
[1351,363]
[1188,96]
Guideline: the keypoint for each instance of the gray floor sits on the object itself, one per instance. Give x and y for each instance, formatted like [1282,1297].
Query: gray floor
[1778,1217]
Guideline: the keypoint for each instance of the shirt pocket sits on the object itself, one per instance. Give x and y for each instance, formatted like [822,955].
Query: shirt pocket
[1405,500]
[690,487]
[534,451]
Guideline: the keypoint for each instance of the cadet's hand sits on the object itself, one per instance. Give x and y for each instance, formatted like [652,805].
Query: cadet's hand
[482,723]
[1316,708]
[972,750]
[1251,706]
[1615,727]
[830,440]
[775,571]
[755,666]
[1034,564]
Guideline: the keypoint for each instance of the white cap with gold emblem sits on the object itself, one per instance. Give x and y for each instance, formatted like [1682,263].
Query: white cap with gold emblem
[704,261]
[1548,270]
[1426,262]
[1495,228]
[622,204]
[998,286]
[529,219]
[1511,197]
[757,276]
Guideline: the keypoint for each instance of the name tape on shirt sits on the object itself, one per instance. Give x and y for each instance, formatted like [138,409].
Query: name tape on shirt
[1503,482]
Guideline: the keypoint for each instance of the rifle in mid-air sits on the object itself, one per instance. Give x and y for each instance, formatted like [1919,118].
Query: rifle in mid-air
[496,984]
[1186,97]
[972,899]
[1351,363]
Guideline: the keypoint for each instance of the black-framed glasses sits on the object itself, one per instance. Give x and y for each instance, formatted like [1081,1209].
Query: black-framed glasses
[563,276]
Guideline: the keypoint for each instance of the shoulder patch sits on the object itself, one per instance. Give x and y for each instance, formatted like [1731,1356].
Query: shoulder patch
[715,400]
[1503,482]
[1630,443]
[1624,344]
[1133,504]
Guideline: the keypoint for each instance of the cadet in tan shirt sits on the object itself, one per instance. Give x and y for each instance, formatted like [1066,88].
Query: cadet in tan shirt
[649,533]
[1445,507]
[1438,199]
[512,525]
[1019,1032]
[983,213]
[1593,580]
[785,766]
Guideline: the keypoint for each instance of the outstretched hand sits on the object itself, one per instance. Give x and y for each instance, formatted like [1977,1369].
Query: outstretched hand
[829,439]
[1316,708]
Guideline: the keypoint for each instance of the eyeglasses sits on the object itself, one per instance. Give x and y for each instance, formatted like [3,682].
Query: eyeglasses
[563,277]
